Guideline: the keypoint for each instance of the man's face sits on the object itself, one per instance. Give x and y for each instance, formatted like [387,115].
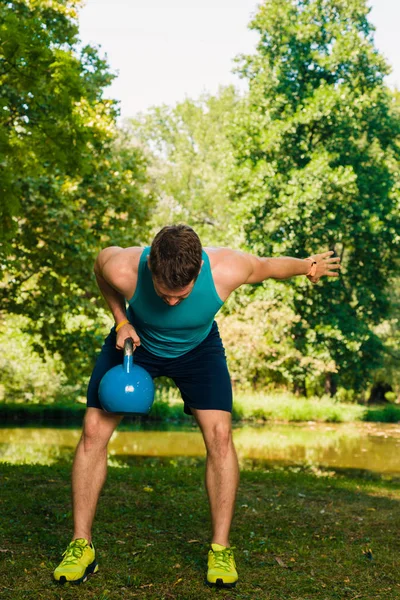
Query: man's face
[172,297]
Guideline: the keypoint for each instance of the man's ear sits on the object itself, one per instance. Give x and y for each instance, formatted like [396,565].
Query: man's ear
[148,262]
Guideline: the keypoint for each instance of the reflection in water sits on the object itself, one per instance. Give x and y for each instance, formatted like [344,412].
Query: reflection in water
[362,446]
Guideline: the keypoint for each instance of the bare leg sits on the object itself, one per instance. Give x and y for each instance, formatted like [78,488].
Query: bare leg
[222,470]
[89,469]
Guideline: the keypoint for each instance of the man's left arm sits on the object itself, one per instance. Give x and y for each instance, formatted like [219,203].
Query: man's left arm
[238,268]
[284,267]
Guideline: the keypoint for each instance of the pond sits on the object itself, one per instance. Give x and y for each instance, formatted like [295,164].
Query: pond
[371,446]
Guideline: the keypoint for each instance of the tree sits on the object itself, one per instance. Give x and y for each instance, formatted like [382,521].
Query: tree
[190,159]
[317,156]
[71,184]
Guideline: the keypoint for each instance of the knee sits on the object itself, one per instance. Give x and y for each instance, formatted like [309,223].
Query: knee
[94,433]
[220,441]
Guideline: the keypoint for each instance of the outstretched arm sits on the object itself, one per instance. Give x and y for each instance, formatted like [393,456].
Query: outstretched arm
[240,267]
[284,267]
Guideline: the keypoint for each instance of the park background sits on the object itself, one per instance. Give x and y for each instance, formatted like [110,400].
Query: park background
[295,153]
[300,157]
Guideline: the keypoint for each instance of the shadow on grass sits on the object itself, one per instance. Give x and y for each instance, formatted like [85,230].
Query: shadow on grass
[300,532]
[384,414]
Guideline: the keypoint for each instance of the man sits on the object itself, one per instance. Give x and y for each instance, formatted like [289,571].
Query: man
[173,289]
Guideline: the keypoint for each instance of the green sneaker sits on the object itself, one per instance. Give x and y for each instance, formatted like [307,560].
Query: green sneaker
[221,567]
[78,562]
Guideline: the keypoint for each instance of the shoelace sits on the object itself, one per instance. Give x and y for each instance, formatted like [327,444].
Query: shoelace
[223,559]
[74,552]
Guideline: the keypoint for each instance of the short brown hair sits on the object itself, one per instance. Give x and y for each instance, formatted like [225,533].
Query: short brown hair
[176,256]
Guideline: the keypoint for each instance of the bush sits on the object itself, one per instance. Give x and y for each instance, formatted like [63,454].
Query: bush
[25,376]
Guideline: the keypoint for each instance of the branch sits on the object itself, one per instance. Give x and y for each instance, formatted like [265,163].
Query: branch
[388,351]
[204,221]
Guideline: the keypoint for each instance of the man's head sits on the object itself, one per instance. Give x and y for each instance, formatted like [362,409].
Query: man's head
[175,261]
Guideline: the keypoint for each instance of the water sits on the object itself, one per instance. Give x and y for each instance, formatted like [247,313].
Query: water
[371,446]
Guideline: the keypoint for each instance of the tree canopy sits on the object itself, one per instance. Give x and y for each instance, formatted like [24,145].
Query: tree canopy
[306,161]
[191,159]
[317,156]
[71,182]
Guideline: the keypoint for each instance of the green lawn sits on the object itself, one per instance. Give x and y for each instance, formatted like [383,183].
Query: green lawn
[300,533]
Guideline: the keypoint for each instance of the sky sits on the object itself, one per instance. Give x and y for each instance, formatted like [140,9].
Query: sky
[166,50]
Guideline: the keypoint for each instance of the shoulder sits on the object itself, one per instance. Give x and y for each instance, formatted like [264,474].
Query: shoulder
[230,268]
[222,258]
[119,267]
[117,258]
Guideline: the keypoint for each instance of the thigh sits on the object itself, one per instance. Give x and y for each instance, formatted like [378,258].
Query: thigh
[202,376]
[110,357]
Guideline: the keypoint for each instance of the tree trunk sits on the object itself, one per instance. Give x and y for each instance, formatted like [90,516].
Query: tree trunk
[330,387]
[299,388]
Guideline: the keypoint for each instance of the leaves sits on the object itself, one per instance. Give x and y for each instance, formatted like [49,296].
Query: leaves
[190,159]
[316,170]
[72,184]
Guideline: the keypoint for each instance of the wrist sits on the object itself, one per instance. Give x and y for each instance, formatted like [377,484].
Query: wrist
[120,324]
[311,267]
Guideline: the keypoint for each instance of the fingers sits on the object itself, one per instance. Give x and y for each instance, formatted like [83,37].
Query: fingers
[127,331]
[120,345]
[328,256]
[135,340]
[325,260]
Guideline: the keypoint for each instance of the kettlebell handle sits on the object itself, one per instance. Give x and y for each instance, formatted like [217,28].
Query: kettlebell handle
[129,348]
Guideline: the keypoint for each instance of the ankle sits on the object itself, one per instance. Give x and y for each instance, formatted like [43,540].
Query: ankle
[224,543]
[88,538]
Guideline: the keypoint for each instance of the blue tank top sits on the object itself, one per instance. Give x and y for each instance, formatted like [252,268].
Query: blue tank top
[170,331]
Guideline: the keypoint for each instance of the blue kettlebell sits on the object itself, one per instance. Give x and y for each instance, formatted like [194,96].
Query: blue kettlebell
[127,389]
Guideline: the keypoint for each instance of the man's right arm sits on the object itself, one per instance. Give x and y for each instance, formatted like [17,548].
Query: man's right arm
[115,299]
[109,271]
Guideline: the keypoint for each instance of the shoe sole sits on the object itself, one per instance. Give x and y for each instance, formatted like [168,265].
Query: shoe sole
[90,570]
[219,583]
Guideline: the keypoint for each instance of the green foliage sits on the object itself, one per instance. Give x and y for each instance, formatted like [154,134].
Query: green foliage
[190,159]
[72,183]
[307,161]
[317,156]
[389,332]
[25,376]
[387,414]
[52,116]
[257,329]
[284,406]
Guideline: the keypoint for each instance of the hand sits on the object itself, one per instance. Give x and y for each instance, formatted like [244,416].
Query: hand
[326,265]
[127,331]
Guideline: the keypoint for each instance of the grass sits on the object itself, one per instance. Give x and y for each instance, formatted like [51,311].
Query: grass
[300,533]
[287,407]
[248,407]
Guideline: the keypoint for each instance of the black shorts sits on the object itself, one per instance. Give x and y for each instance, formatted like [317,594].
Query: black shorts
[201,374]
